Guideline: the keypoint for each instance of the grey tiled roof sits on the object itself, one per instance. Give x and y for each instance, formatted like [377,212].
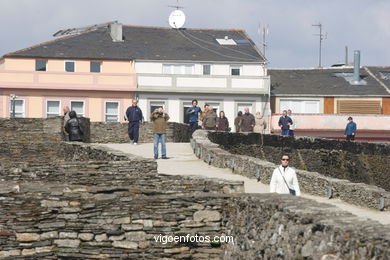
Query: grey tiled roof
[149,43]
[322,82]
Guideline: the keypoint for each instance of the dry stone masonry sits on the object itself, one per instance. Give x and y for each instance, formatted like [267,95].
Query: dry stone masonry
[62,200]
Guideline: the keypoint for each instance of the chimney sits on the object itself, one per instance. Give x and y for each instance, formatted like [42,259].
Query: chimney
[356,67]
[116,32]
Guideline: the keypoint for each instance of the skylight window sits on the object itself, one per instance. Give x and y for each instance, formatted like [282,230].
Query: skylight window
[226,41]
[385,75]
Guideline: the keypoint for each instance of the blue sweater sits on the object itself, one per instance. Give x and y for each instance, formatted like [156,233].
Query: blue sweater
[193,117]
[350,128]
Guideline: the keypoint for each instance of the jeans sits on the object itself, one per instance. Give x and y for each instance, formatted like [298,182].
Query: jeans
[285,132]
[193,126]
[156,139]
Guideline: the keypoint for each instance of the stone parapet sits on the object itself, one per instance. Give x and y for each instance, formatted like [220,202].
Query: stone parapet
[310,182]
[103,132]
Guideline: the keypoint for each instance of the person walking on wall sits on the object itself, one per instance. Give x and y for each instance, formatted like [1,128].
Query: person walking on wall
[247,121]
[193,113]
[74,127]
[237,122]
[350,130]
[293,123]
[66,119]
[284,179]
[134,116]
[159,119]
[210,119]
[222,122]
[284,123]
[260,124]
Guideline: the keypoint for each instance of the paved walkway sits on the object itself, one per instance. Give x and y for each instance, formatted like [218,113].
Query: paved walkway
[182,161]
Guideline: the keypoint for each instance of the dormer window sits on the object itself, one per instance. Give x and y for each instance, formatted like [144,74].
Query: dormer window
[40,65]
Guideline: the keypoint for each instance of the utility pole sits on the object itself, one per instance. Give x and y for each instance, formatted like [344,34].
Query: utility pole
[322,37]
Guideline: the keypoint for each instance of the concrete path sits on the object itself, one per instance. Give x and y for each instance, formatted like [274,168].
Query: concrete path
[182,161]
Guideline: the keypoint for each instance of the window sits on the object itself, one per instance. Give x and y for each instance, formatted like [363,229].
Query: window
[19,108]
[206,69]
[241,107]
[78,107]
[70,66]
[95,66]
[112,112]
[359,107]
[184,69]
[300,106]
[186,117]
[156,104]
[235,70]
[215,107]
[40,65]
[52,108]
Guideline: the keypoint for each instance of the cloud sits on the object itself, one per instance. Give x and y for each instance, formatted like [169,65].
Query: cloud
[360,24]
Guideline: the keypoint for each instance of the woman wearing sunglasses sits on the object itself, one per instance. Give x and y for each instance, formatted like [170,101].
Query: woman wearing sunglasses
[284,179]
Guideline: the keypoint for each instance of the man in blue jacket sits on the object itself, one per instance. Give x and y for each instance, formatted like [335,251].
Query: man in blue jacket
[134,116]
[284,123]
[350,130]
[193,113]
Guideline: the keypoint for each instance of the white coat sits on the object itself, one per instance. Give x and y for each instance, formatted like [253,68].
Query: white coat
[279,186]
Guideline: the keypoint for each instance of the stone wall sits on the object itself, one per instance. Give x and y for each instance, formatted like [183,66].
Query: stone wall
[272,226]
[309,182]
[358,162]
[103,132]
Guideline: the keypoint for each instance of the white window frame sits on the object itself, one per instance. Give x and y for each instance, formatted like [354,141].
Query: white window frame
[302,105]
[74,62]
[210,69]
[105,110]
[59,107]
[250,104]
[101,66]
[172,70]
[150,101]
[24,107]
[235,67]
[78,115]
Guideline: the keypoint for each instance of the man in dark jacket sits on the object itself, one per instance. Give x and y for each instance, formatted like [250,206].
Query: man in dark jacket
[350,130]
[247,121]
[284,123]
[134,116]
[74,127]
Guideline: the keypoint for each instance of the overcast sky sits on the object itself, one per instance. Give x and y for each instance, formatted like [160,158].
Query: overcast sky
[359,24]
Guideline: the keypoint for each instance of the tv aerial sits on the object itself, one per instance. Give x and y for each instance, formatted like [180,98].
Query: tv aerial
[177,17]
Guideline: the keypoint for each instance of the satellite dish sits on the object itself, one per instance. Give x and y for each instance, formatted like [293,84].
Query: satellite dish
[177,19]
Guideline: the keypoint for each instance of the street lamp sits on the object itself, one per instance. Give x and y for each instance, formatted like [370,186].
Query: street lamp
[13,98]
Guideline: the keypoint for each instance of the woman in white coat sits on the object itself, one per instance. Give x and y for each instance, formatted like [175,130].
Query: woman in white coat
[284,178]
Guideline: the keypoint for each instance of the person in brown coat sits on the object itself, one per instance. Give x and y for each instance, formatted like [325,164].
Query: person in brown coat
[222,122]
[210,119]
[247,121]
[237,122]
[159,119]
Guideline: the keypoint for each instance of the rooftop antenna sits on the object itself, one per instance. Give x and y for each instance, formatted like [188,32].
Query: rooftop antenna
[177,17]
[263,30]
[322,37]
[71,31]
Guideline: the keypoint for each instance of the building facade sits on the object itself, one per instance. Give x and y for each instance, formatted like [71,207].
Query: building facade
[97,72]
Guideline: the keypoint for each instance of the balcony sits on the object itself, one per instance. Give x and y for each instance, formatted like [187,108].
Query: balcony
[203,84]
[67,80]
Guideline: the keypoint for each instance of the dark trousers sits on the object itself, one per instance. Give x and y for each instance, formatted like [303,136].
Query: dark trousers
[350,137]
[285,132]
[291,133]
[133,131]
[193,126]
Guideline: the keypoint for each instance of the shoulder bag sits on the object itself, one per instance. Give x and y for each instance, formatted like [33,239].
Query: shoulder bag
[292,191]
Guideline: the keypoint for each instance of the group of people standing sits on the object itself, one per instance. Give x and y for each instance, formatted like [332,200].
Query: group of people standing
[210,121]
[287,123]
